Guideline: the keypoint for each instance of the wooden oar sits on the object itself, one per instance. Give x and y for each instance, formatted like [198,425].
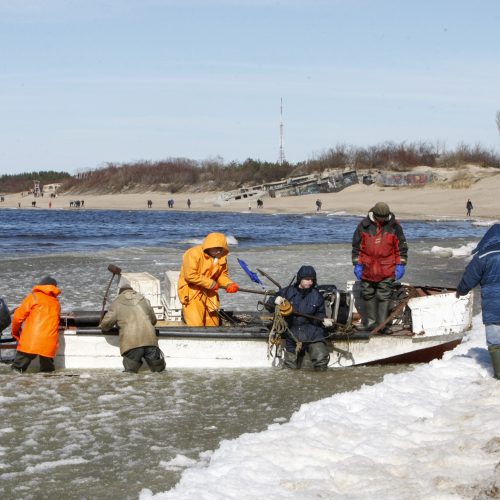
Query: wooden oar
[258,292]
[296,313]
[273,281]
[114,270]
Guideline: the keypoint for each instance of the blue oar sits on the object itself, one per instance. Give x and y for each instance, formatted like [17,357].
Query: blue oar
[253,276]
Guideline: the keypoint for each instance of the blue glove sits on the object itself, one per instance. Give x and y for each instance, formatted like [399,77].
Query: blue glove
[400,271]
[358,271]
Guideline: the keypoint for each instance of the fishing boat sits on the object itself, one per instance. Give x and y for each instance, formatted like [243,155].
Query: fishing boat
[424,323]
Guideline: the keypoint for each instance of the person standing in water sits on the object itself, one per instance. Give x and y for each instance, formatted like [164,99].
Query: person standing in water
[35,325]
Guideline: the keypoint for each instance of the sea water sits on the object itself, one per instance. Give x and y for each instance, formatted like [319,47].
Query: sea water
[106,434]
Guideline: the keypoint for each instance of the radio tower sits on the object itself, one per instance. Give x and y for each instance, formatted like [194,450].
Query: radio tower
[282,151]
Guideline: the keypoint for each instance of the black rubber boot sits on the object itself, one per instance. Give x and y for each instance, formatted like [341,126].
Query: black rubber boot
[495,359]
[370,317]
[382,313]
[156,365]
[290,360]
[319,355]
[131,365]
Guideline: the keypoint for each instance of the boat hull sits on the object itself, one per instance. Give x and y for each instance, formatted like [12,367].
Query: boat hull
[438,322]
[98,351]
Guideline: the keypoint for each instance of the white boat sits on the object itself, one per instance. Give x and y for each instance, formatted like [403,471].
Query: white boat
[430,321]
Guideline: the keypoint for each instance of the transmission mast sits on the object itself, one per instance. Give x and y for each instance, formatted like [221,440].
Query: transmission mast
[282,150]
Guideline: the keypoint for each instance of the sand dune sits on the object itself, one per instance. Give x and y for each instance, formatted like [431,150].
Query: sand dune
[429,202]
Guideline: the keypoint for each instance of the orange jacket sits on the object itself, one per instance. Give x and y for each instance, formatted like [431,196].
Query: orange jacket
[39,316]
[200,272]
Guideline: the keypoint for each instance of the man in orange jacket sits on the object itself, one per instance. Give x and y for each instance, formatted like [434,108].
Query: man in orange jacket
[38,315]
[204,269]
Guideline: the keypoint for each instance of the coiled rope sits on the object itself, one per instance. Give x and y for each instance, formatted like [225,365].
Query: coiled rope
[279,328]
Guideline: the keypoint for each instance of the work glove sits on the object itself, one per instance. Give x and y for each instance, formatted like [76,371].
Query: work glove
[358,271]
[400,271]
[279,300]
[214,287]
[232,288]
[328,322]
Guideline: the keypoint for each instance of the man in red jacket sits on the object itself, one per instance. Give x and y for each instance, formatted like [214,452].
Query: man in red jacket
[35,325]
[379,256]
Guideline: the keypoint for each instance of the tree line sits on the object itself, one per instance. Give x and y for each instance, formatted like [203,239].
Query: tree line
[182,174]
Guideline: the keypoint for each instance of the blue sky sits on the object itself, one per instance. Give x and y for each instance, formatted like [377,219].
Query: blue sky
[86,82]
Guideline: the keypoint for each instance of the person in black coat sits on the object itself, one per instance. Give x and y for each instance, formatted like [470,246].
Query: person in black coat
[469,207]
[307,335]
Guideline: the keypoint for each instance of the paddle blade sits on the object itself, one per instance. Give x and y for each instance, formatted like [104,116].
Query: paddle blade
[253,276]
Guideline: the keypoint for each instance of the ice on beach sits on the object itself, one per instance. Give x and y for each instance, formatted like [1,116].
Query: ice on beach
[428,433]
[461,251]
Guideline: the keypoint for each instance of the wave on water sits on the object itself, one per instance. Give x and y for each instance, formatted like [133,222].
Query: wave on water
[231,240]
[484,223]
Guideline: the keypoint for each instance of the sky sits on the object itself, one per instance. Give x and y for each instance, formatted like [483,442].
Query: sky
[84,83]
[431,433]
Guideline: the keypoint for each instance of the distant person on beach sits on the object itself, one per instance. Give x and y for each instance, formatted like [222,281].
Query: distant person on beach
[204,270]
[319,204]
[484,270]
[306,335]
[35,325]
[379,256]
[189,203]
[469,207]
[135,319]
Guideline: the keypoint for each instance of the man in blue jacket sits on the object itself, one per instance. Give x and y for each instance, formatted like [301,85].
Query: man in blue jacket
[306,335]
[484,270]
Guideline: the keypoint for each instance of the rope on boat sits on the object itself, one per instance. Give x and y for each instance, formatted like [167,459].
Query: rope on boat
[279,328]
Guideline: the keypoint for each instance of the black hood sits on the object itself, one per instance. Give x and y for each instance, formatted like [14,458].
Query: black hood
[306,272]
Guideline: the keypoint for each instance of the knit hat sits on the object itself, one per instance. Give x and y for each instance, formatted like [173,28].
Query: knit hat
[381,209]
[47,280]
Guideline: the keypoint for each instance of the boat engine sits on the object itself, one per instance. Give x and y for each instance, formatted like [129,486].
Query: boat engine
[338,304]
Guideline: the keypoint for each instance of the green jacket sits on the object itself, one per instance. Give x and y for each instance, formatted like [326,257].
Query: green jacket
[135,319]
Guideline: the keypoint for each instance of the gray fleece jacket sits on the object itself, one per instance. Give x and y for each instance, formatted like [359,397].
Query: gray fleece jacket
[135,319]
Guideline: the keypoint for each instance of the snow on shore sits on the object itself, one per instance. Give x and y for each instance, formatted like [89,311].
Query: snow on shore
[430,433]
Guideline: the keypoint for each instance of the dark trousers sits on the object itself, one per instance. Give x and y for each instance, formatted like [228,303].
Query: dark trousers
[316,351]
[377,298]
[132,360]
[23,360]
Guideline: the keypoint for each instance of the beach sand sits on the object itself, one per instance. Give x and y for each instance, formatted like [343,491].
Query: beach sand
[428,202]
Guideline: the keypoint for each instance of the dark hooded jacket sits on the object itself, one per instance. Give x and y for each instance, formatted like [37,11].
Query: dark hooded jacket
[308,301]
[484,270]
[379,247]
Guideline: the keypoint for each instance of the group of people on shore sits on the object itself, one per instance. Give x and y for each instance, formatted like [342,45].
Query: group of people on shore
[379,257]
